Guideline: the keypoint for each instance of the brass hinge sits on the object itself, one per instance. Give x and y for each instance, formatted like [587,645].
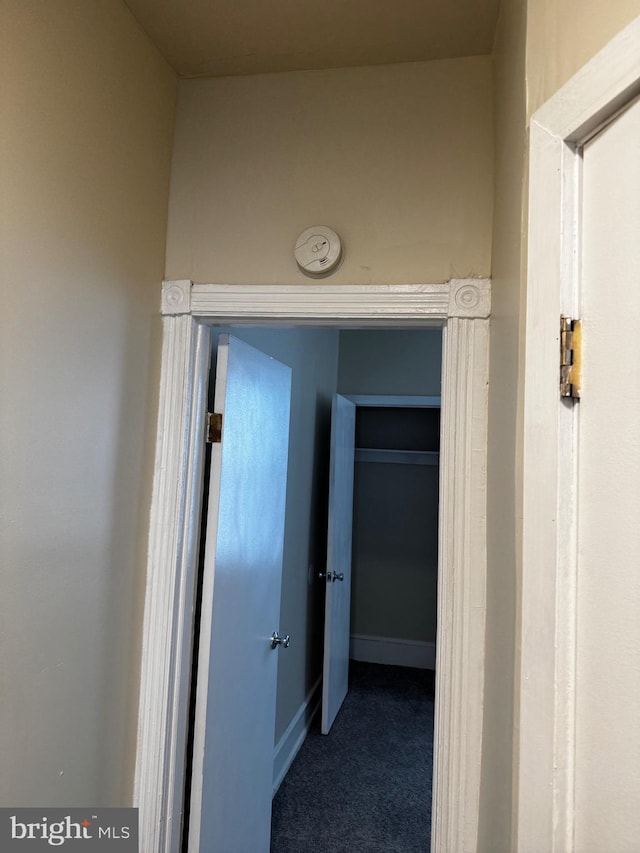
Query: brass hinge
[214,428]
[570,357]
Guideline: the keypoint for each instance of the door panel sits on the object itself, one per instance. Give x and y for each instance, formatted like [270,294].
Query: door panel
[607,794]
[237,667]
[335,676]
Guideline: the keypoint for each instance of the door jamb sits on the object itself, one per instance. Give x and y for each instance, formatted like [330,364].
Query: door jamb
[544,777]
[461,307]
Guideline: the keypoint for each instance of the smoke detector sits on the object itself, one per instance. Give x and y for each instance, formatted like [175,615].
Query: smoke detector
[318,250]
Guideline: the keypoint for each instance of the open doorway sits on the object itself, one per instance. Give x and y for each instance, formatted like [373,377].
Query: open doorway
[372,774]
[461,308]
[394,584]
[387,368]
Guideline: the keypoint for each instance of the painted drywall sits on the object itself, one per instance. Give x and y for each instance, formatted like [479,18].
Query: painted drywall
[223,39]
[312,355]
[395,551]
[503,507]
[562,37]
[539,45]
[86,130]
[397,159]
[394,580]
[380,361]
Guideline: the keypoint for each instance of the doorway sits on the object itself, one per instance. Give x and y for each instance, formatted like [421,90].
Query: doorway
[567,244]
[396,444]
[395,541]
[380,745]
[462,309]
[397,436]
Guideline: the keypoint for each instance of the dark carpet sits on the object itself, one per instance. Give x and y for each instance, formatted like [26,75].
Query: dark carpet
[365,787]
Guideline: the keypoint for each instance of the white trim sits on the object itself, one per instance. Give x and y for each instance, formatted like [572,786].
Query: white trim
[335,305]
[393,651]
[597,91]
[294,735]
[173,548]
[386,401]
[462,568]
[544,780]
[462,308]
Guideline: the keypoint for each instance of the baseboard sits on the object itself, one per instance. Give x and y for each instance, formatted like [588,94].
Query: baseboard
[393,651]
[287,747]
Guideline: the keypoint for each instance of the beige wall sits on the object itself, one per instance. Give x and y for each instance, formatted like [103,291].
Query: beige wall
[87,114]
[503,450]
[539,45]
[397,159]
[563,36]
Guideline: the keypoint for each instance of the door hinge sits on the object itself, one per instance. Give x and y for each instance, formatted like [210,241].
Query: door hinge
[214,428]
[570,357]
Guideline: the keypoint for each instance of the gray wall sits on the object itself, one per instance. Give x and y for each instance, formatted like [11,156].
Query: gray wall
[313,356]
[376,361]
[394,572]
[395,551]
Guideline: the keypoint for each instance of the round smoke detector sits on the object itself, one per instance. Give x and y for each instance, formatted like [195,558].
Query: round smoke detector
[318,250]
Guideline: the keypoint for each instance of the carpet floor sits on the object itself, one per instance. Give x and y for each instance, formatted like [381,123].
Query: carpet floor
[365,787]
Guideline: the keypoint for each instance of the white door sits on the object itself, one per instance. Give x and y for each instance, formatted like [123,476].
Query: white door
[607,761]
[237,667]
[335,674]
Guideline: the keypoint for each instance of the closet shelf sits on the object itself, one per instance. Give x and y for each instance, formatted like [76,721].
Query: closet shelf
[397,457]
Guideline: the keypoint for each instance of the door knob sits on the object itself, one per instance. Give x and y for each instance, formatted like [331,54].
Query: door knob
[280,641]
[331,577]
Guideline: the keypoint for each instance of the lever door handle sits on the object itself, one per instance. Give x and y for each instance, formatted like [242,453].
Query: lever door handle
[338,577]
[280,641]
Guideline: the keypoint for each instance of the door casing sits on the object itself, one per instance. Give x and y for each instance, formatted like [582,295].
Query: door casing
[545,740]
[461,307]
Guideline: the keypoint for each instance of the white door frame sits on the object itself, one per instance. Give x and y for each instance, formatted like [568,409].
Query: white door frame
[544,777]
[461,307]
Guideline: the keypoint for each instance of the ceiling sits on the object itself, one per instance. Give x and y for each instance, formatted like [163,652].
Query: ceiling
[211,38]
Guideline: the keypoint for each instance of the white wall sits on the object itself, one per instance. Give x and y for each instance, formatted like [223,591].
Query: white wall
[396,158]
[86,128]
